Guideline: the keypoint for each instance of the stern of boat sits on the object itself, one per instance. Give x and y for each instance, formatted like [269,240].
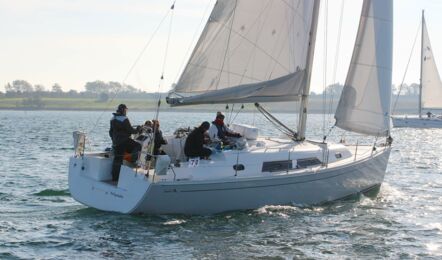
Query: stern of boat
[90,183]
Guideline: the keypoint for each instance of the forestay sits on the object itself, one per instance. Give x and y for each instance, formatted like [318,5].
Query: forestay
[364,106]
[249,51]
[431,83]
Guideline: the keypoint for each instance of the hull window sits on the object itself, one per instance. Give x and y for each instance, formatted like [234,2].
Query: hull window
[307,162]
[277,166]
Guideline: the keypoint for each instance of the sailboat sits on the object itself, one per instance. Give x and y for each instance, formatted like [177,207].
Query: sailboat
[430,89]
[255,52]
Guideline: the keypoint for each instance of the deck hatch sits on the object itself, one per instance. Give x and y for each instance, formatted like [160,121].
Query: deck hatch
[277,166]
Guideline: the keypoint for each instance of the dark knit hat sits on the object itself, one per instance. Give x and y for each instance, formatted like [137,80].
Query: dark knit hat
[121,108]
[205,125]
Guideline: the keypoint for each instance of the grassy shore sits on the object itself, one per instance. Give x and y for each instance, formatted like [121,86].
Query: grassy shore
[316,105]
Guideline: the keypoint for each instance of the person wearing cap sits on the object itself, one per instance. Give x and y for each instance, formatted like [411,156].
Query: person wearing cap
[194,146]
[120,132]
[218,131]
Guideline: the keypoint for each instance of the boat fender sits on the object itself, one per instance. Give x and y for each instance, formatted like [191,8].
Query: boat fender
[79,142]
[162,164]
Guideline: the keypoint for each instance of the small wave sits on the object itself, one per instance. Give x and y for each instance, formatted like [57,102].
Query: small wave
[174,222]
[7,255]
[50,192]
[4,197]
[278,209]
[66,148]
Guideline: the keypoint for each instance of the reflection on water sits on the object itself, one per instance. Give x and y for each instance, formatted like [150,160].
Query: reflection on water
[41,220]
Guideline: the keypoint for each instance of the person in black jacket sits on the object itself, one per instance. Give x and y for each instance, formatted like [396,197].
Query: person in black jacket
[120,132]
[159,139]
[195,141]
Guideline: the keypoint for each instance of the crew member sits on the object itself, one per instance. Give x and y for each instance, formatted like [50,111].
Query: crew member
[159,139]
[194,146]
[429,114]
[218,131]
[120,132]
[148,125]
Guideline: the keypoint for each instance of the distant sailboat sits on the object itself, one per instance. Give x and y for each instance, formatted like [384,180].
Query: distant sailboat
[259,51]
[430,89]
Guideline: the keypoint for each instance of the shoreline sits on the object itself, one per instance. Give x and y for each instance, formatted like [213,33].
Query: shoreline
[316,106]
[181,110]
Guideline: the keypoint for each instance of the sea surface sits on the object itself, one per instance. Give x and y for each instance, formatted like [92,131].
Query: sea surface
[40,220]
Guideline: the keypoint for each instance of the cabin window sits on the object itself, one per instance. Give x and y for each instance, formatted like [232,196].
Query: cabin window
[338,155]
[307,162]
[277,166]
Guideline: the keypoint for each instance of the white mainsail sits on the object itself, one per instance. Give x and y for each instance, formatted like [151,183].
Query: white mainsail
[249,51]
[364,106]
[431,83]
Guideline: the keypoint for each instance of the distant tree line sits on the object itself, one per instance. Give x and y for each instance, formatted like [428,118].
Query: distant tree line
[32,95]
[100,90]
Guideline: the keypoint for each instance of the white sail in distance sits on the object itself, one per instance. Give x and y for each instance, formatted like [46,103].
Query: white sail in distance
[249,51]
[431,83]
[364,106]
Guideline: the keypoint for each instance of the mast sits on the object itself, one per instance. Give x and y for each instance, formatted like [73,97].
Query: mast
[422,58]
[305,93]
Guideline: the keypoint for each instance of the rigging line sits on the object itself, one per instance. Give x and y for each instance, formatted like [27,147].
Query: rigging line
[168,41]
[328,133]
[406,68]
[338,48]
[271,120]
[131,68]
[166,51]
[254,117]
[239,110]
[160,83]
[278,124]
[229,115]
[324,93]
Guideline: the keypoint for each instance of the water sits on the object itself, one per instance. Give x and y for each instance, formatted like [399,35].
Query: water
[40,220]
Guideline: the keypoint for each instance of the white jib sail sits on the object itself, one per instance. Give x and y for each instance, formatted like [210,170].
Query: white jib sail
[431,83]
[364,106]
[249,51]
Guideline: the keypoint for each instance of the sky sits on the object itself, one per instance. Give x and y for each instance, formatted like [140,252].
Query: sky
[71,42]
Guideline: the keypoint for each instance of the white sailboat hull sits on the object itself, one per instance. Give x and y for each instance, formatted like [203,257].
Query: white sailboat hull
[262,171]
[416,122]
[136,193]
